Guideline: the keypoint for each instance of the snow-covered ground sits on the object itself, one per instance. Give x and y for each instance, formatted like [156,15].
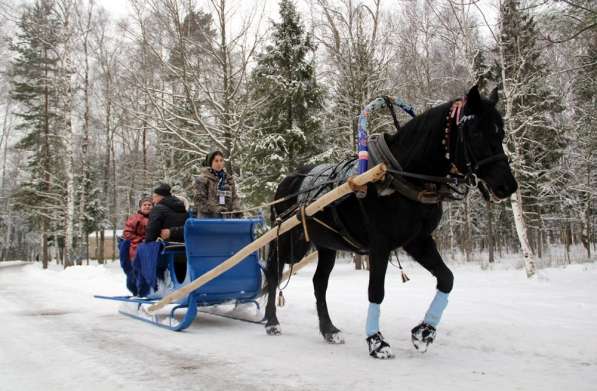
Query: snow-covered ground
[500,332]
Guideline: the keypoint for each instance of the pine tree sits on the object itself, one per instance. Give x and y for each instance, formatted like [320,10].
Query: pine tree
[583,145]
[286,132]
[32,75]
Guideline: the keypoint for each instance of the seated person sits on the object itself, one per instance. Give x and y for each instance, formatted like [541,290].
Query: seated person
[134,228]
[215,190]
[169,212]
[165,233]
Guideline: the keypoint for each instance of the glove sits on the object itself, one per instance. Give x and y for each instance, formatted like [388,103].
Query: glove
[220,210]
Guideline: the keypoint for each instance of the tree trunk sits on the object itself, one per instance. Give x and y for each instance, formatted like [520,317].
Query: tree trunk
[358,261]
[568,238]
[82,232]
[521,230]
[490,238]
[114,200]
[586,234]
[467,230]
[5,137]
[46,158]
[67,99]
[87,249]
[100,245]
[44,244]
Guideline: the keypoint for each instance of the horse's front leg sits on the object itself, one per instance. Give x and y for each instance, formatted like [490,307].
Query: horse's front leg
[424,251]
[325,264]
[378,264]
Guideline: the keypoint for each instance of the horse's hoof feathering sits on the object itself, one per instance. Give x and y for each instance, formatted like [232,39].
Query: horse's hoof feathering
[334,338]
[273,329]
[422,336]
[378,348]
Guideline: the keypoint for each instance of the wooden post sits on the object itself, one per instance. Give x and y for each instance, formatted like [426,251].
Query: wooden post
[372,175]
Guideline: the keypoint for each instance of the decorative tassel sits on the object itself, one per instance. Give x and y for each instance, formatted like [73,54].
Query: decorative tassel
[404,276]
[281,299]
[402,273]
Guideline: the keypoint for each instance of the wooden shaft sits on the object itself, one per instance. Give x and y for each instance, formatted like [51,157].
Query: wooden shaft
[307,259]
[372,175]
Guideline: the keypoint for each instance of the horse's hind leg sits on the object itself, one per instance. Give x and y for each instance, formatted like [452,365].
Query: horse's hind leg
[325,264]
[288,248]
[273,273]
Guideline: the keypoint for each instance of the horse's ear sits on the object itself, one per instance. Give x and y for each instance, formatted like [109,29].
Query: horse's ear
[494,97]
[473,98]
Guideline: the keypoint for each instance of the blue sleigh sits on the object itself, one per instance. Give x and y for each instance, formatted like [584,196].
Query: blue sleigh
[208,243]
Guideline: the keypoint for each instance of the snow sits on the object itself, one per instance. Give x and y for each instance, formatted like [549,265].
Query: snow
[107,233]
[499,332]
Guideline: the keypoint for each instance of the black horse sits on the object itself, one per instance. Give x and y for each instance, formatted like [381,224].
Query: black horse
[460,140]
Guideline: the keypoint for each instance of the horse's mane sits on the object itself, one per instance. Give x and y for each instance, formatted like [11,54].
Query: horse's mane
[414,146]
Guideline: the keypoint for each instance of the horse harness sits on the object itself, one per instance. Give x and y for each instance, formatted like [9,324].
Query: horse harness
[435,188]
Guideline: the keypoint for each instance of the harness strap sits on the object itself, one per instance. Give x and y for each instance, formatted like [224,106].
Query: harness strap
[379,152]
[345,233]
[303,220]
[348,239]
[390,105]
[491,159]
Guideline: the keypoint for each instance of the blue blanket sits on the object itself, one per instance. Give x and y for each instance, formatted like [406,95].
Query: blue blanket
[126,265]
[148,267]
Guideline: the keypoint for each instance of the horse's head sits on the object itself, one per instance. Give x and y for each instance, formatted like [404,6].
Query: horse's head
[475,145]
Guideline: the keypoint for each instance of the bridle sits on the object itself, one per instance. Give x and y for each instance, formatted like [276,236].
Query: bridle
[472,163]
[455,123]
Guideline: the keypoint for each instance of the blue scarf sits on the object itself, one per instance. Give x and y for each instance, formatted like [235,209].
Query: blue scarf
[221,179]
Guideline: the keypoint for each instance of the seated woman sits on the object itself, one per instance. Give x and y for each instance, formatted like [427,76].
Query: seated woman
[134,228]
[215,190]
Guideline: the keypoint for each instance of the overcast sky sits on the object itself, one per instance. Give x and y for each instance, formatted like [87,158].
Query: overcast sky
[120,8]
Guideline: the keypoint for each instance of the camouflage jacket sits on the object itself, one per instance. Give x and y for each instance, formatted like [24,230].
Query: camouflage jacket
[208,198]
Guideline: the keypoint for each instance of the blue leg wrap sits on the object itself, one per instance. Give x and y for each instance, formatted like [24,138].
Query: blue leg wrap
[436,309]
[372,319]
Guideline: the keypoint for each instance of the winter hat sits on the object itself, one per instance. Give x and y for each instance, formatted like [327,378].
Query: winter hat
[163,189]
[209,158]
[144,199]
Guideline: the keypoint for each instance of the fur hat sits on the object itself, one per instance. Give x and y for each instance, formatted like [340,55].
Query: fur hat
[163,189]
[144,199]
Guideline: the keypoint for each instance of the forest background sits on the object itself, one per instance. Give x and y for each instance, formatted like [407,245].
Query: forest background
[96,109]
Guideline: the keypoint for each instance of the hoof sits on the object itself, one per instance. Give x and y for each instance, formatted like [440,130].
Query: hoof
[379,348]
[422,336]
[334,338]
[273,329]
[384,353]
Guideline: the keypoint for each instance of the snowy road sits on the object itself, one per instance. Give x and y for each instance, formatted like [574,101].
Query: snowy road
[500,332]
